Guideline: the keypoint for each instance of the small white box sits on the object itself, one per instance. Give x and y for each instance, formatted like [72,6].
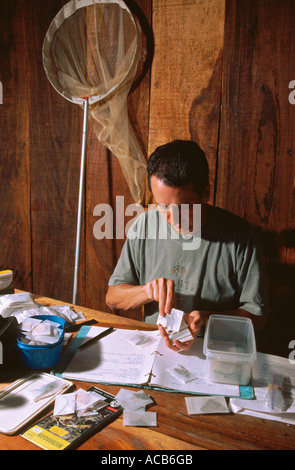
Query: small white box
[230,349]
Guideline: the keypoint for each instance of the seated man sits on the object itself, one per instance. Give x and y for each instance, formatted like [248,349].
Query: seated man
[201,265]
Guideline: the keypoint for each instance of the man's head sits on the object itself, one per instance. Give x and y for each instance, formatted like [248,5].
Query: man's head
[179,163]
[178,179]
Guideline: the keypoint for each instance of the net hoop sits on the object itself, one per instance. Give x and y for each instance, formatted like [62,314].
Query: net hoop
[66,12]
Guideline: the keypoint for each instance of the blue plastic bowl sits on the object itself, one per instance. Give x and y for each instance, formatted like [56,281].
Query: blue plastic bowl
[42,356]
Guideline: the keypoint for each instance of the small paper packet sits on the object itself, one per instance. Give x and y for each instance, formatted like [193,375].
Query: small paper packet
[139,418]
[93,410]
[134,404]
[40,339]
[89,403]
[181,373]
[182,335]
[274,398]
[85,400]
[132,401]
[172,321]
[43,328]
[29,324]
[206,405]
[175,326]
[65,404]
[42,390]
[140,339]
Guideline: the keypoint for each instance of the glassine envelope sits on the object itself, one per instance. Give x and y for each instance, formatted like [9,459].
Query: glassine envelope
[206,405]
[140,418]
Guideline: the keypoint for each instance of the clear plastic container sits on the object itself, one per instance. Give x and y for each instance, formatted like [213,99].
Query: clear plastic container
[230,349]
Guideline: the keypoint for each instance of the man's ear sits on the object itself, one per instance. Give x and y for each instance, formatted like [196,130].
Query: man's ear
[206,194]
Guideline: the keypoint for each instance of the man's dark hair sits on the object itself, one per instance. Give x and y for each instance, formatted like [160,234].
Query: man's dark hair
[179,163]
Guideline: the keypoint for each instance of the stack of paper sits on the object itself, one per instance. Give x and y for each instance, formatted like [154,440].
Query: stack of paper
[38,332]
[79,403]
[22,306]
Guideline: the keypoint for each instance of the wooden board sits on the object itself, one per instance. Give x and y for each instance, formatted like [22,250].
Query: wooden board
[186,74]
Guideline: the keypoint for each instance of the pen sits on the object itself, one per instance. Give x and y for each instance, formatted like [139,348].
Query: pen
[95,338]
[70,328]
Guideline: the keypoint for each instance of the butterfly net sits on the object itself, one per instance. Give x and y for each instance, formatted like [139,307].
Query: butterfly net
[91,50]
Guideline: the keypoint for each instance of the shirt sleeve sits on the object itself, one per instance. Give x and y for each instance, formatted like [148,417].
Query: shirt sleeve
[251,278]
[125,270]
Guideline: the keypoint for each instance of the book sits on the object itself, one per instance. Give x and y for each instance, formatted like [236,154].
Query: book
[140,359]
[69,431]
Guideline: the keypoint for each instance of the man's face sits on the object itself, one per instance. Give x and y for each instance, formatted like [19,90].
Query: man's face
[176,205]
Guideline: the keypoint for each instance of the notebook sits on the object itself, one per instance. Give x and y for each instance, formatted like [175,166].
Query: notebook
[140,359]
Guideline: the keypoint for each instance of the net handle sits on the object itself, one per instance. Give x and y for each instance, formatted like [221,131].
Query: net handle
[80,201]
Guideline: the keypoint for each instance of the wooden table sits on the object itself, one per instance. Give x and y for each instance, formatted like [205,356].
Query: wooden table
[176,430]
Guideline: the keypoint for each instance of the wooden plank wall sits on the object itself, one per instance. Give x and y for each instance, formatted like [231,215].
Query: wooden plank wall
[15,219]
[216,71]
[256,165]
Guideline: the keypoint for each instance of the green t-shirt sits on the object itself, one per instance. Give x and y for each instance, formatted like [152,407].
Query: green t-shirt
[220,270]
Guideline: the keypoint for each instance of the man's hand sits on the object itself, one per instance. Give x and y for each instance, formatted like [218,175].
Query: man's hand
[129,297]
[194,321]
[161,290]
